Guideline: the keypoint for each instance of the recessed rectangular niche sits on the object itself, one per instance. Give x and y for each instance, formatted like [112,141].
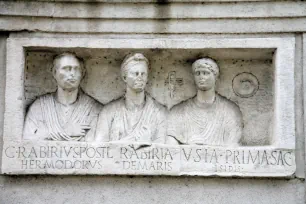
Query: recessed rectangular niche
[241,70]
[255,73]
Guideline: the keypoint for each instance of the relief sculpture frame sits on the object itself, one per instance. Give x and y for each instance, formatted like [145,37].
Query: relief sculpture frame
[274,160]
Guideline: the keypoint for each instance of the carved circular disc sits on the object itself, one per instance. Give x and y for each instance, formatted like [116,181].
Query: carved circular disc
[245,85]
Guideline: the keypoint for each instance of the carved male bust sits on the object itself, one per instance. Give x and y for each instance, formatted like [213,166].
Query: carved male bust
[136,116]
[208,118]
[68,113]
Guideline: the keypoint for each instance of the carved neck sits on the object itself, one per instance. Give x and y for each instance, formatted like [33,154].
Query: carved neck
[134,100]
[206,97]
[66,97]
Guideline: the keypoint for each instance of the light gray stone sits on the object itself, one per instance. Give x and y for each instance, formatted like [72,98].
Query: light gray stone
[195,190]
[135,117]
[247,18]
[299,93]
[208,118]
[232,62]
[148,43]
[274,160]
[154,10]
[149,26]
[67,114]
[2,87]
[47,157]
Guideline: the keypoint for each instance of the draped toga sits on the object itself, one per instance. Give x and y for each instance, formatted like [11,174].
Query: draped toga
[47,118]
[219,123]
[116,122]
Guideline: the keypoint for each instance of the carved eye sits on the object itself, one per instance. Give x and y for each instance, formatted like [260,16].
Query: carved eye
[76,68]
[197,73]
[206,73]
[137,73]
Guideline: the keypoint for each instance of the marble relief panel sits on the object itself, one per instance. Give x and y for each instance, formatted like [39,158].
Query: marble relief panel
[172,111]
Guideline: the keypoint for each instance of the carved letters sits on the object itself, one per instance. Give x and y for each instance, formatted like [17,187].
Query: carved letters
[123,158]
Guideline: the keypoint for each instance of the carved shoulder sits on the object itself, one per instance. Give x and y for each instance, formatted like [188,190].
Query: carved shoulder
[179,108]
[97,105]
[158,106]
[113,105]
[231,108]
[36,105]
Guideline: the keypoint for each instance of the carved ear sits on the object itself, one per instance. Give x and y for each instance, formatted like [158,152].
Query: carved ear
[83,67]
[124,78]
[53,71]
[83,72]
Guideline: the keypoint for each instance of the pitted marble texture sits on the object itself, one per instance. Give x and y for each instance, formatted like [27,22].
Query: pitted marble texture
[60,21]
[57,157]
[193,190]
[68,113]
[170,82]
[136,117]
[103,80]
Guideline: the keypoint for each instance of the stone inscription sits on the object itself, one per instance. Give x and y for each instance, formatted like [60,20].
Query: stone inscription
[234,160]
[124,158]
[150,160]
[44,157]
[264,157]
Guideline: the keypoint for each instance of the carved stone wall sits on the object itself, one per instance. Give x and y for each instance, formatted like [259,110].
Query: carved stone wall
[258,47]
[103,80]
[254,73]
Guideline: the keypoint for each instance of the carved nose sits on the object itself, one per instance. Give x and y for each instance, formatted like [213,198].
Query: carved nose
[72,73]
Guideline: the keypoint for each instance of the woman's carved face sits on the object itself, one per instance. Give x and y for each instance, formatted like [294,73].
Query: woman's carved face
[204,78]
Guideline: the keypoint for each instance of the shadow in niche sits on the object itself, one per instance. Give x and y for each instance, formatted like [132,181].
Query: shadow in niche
[3,39]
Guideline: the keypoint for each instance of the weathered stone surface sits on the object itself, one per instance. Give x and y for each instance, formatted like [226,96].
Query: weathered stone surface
[146,189]
[214,19]
[97,54]
[152,1]
[154,10]
[39,81]
[28,157]
[150,26]
[147,16]
[208,118]
[2,85]
[299,122]
[68,113]
[136,116]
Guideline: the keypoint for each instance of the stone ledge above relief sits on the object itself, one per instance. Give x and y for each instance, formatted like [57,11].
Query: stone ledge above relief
[51,157]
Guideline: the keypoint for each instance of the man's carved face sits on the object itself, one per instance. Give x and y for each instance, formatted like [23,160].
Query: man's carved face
[137,76]
[204,78]
[68,73]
